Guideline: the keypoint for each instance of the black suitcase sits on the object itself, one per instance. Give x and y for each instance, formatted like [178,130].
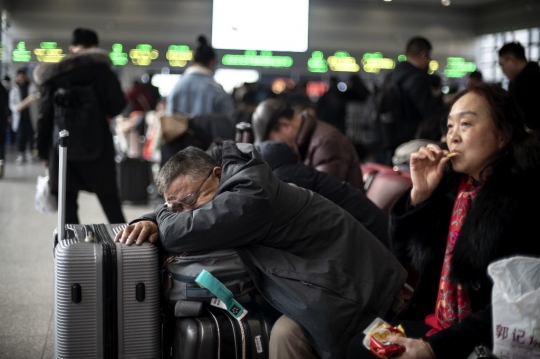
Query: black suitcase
[134,177]
[216,334]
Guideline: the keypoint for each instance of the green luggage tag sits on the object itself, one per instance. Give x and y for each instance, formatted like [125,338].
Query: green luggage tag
[208,281]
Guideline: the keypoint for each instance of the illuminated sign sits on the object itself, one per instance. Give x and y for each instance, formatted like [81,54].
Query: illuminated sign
[118,57]
[432,67]
[143,55]
[458,67]
[317,63]
[402,58]
[48,52]
[250,58]
[374,62]
[21,54]
[179,55]
[341,61]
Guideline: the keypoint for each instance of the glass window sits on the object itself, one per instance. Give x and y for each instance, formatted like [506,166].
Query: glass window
[522,36]
[535,36]
[534,52]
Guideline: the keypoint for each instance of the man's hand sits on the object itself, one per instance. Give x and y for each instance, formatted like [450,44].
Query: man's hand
[138,232]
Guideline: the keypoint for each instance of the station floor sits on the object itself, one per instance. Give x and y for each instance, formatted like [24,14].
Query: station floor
[26,261]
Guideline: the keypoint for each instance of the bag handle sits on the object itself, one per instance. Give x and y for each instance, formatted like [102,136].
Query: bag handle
[62,149]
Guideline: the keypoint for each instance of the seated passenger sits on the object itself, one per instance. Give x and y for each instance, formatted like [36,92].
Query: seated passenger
[462,214]
[318,144]
[310,259]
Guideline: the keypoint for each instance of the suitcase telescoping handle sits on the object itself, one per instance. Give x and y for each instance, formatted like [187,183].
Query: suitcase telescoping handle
[62,165]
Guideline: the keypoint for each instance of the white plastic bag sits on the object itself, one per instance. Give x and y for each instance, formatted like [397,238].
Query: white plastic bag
[516,307]
[44,201]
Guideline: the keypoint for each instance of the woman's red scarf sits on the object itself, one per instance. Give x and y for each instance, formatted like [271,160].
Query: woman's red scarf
[453,304]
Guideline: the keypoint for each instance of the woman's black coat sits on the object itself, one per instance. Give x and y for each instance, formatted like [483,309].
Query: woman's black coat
[501,222]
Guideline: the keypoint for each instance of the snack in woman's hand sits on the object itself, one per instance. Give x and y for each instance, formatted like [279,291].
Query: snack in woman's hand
[452,154]
[376,339]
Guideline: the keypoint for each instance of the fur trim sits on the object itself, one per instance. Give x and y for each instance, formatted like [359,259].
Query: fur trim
[45,72]
[499,223]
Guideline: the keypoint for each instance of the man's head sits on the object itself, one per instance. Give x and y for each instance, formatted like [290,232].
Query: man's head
[512,59]
[418,52]
[275,120]
[83,39]
[21,77]
[188,180]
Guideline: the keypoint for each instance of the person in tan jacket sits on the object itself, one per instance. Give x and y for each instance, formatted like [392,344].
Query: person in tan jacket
[318,144]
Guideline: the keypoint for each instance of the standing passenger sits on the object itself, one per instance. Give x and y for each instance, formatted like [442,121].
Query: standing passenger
[87,66]
[413,88]
[21,97]
[524,81]
[196,93]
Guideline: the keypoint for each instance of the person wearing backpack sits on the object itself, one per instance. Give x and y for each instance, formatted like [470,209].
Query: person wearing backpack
[406,99]
[81,93]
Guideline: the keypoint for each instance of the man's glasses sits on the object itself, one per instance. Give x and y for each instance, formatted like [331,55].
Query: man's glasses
[188,200]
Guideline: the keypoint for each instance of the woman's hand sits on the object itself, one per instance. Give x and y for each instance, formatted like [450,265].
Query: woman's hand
[414,348]
[138,232]
[427,169]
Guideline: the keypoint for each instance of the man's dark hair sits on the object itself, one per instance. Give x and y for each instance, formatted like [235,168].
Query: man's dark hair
[513,48]
[84,37]
[476,75]
[191,161]
[204,52]
[22,72]
[416,45]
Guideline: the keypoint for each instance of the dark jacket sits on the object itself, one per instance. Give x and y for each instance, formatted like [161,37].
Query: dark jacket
[526,90]
[501,222]
[324,148]
[91,66]
[417,100]
[287,167]
[308,257]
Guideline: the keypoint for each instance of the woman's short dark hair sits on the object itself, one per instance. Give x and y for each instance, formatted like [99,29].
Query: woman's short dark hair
[510,120]
[204,53]
[191,161]
[503,110]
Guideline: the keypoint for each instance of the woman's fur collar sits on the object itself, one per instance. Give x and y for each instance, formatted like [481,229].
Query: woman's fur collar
[485,230]
[46,72]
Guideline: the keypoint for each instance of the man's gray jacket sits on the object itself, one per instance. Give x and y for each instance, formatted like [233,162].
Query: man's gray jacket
[308,257]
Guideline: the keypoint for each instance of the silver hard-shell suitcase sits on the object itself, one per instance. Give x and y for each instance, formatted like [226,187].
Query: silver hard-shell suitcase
[106,294]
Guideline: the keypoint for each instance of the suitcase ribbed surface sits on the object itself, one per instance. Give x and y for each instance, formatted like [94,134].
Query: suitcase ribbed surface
[78,326]
[138,322]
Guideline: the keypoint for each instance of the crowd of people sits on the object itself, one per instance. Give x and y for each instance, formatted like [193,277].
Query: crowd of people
[293,202]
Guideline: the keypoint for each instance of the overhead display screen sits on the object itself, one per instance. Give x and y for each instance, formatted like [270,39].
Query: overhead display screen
[277,25]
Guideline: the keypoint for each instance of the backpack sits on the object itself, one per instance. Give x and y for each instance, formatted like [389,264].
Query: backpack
[186,297]
[77,109]
[382,121]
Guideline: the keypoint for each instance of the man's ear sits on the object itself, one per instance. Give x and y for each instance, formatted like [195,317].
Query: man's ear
[217,172]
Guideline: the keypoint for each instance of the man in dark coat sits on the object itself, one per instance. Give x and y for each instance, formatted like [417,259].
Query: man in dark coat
[524,79]
[286,166]
[87,65]
[309,258]
[318,144]
[416,99]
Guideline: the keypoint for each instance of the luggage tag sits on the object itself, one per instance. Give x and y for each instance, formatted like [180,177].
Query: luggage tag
[225,298]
